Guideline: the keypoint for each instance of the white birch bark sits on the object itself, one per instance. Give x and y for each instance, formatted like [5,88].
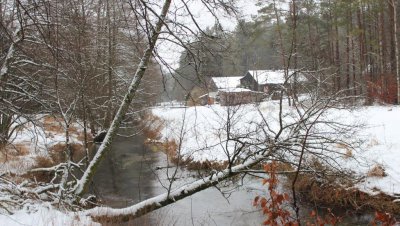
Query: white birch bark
[5,67]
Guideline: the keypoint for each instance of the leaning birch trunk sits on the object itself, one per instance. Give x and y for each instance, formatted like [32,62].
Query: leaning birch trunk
[123,108]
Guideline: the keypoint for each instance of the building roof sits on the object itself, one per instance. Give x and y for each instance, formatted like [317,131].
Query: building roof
[274,76]
[235,90]
[210,94]
[227,82]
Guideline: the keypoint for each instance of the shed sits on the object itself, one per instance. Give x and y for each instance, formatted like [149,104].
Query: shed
[237,96]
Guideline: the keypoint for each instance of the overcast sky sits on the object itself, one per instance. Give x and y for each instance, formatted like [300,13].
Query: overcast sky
[170,52]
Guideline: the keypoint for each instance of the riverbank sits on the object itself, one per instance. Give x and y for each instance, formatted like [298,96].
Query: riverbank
[337,197]
[196,136]
[40,142]
[372,158]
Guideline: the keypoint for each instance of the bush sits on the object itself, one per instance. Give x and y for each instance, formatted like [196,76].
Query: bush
[382,89]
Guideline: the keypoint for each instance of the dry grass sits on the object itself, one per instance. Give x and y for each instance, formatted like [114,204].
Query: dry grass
[89,136]
[152,126]
[16,164]
[2,156]
[78,152]
[337,196]
[73,130]
[141,221]
[170,148]
[42,162]
[49,120]
[58,155]
[282,166]
[53,124]
[12,152]
[377,171]
[348,153]
[22,149]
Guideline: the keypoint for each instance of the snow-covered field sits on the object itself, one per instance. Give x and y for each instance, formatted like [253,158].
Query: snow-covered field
[203,130]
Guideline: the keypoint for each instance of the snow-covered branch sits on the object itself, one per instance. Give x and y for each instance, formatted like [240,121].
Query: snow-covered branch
[5,67]
[139,209]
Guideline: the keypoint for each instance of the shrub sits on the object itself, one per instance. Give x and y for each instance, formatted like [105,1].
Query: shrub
[377,171]
[152,126]
[382,89]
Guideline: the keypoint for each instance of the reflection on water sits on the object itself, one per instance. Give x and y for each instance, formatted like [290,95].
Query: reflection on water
[127,175]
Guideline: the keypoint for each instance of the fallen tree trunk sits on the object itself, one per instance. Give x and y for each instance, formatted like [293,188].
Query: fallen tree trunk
[125,214]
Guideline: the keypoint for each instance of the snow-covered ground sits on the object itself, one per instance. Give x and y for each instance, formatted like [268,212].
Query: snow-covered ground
[42,137]
[35,139]
[382,148]
[203,130]
[44,215]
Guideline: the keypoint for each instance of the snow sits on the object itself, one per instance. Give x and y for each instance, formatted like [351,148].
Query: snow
[272,77]
[235,90]
[45,215]
[210,94]
[204,130]
[35,138]
[226,82]
[204,135]
[383,148]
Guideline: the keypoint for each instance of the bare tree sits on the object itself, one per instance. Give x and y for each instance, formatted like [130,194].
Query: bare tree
[20,93]
[396,47]
[295,135]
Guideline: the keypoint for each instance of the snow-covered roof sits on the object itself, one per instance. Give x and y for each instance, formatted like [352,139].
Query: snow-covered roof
[210,94]
[226,82]
[235,90]
[274,76]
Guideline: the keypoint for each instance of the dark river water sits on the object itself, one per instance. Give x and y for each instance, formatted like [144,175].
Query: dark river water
[130,174]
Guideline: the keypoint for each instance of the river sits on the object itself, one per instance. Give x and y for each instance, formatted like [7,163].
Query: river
[130,174]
